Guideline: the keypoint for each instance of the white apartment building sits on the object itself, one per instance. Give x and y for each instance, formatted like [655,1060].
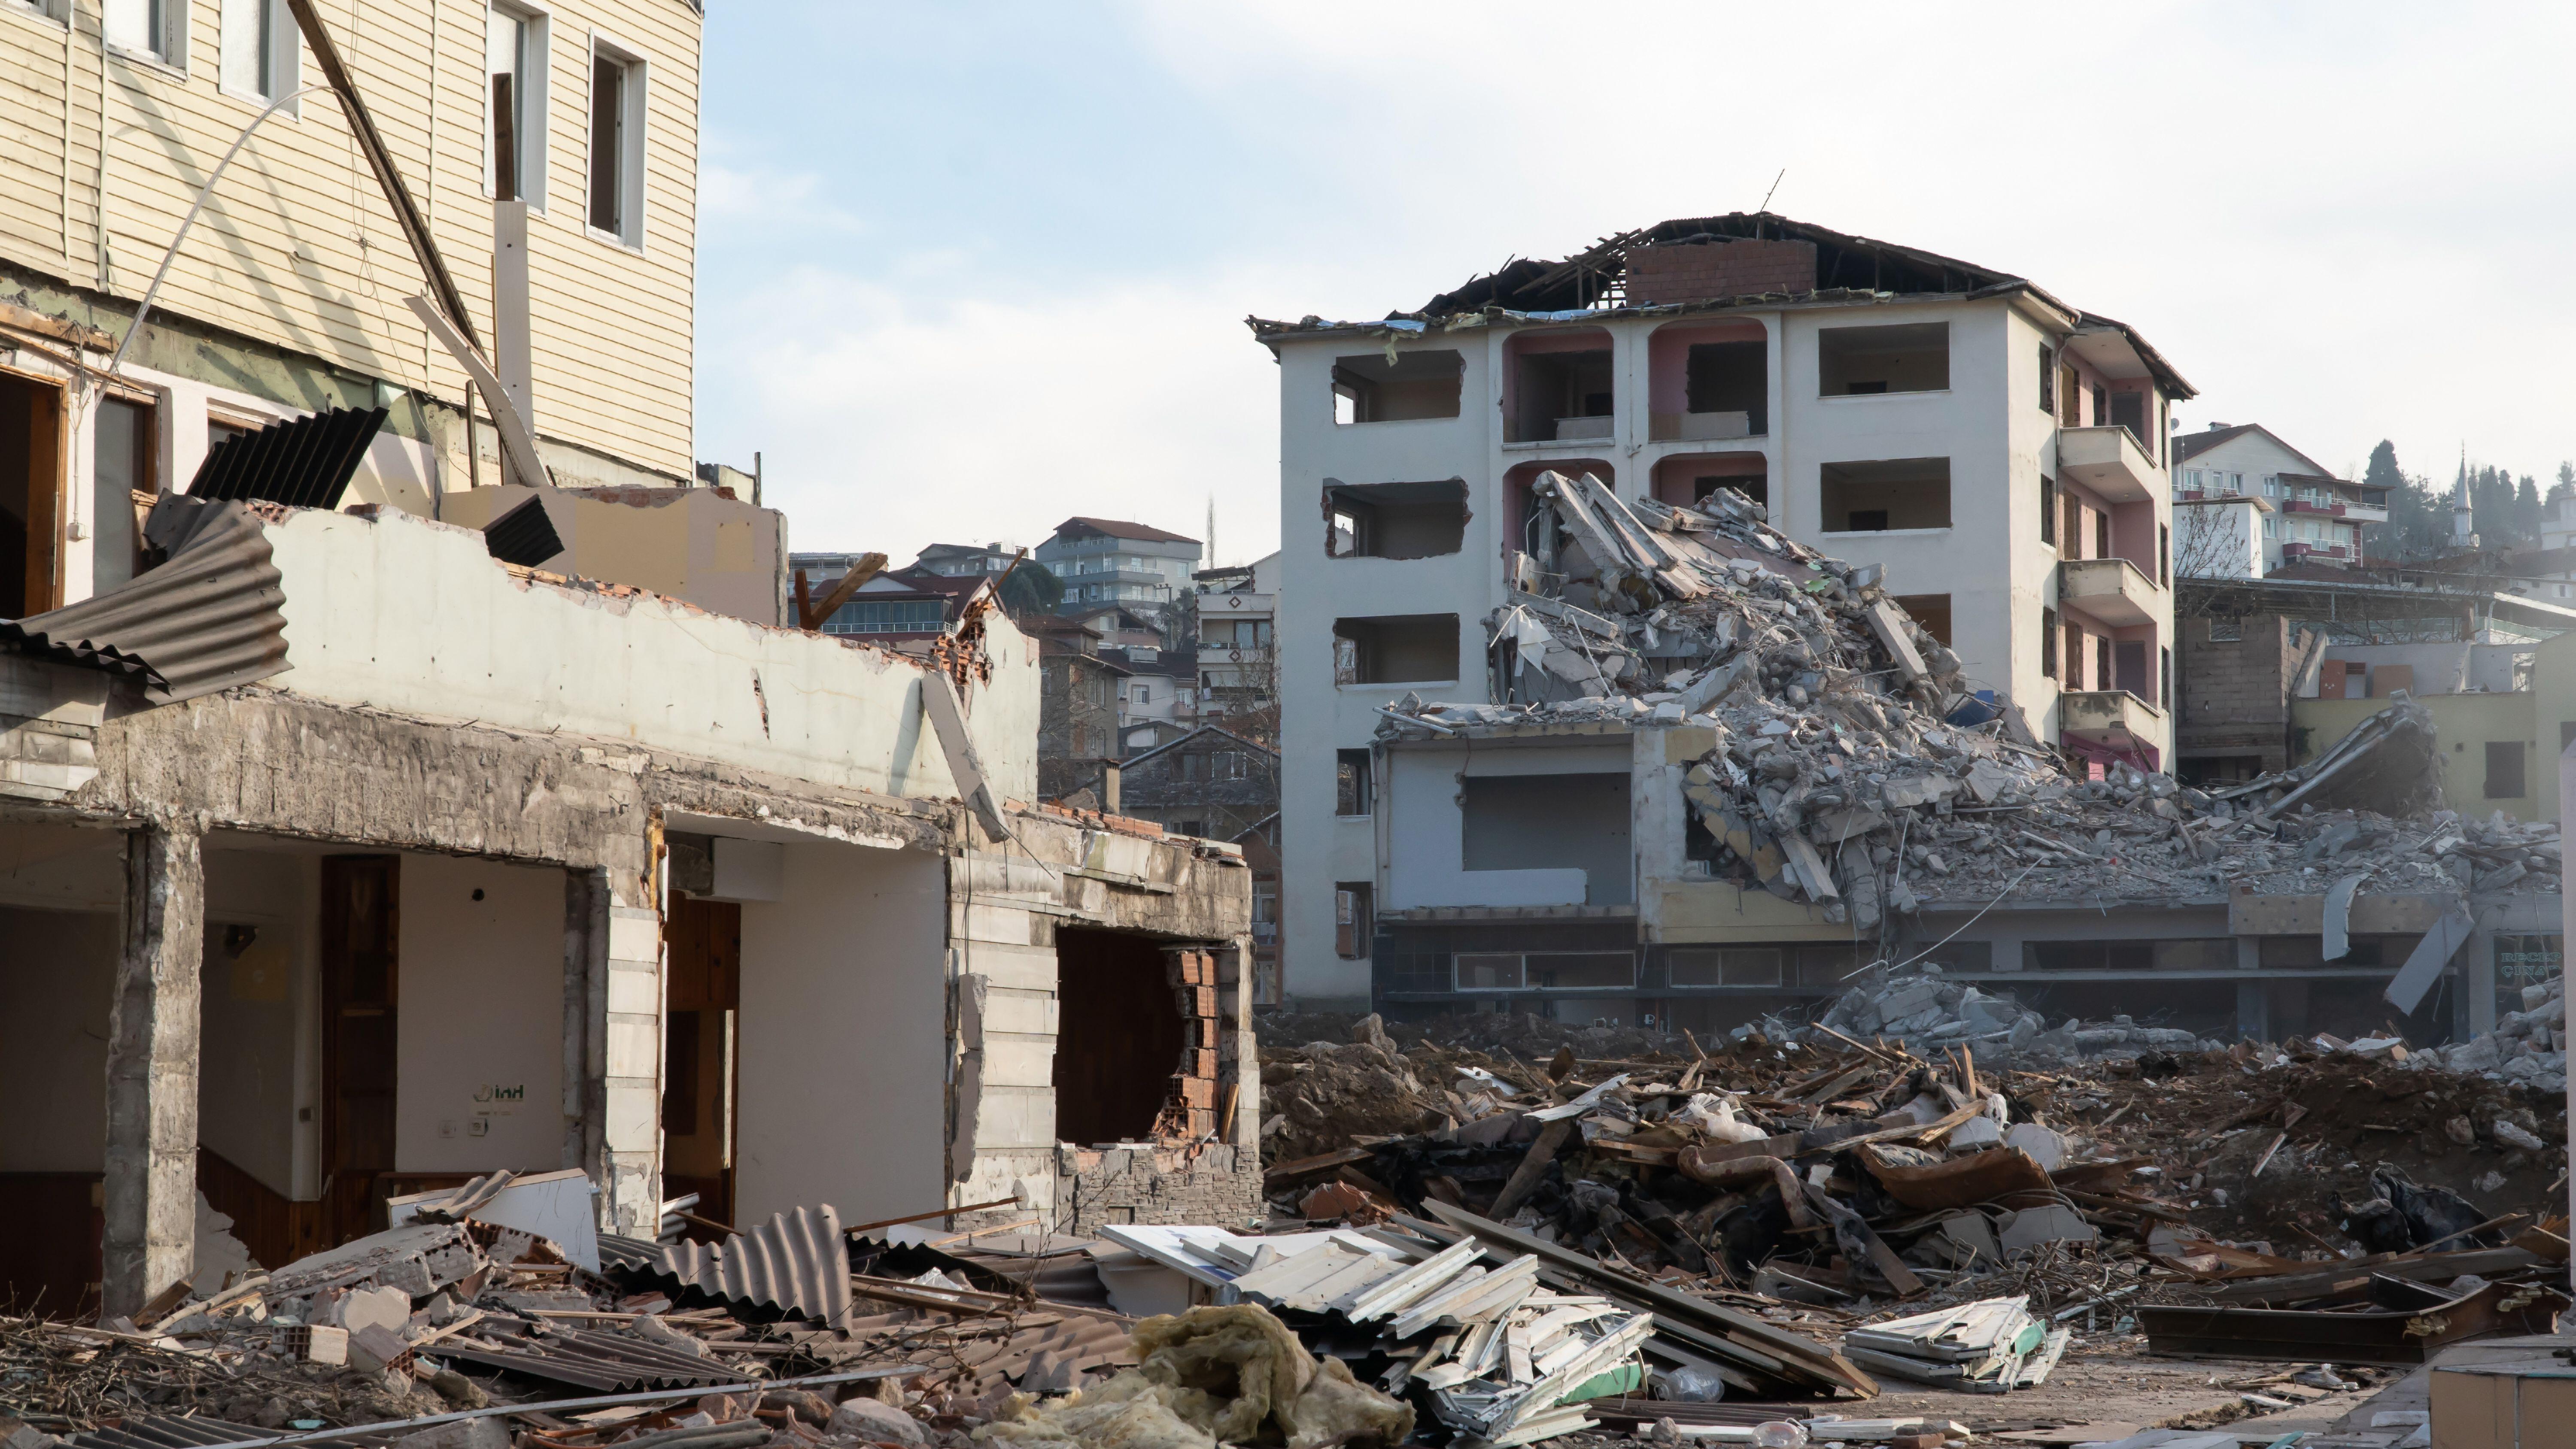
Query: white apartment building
[1238,654]
[1113,561]
[2246,503]
[1999,451]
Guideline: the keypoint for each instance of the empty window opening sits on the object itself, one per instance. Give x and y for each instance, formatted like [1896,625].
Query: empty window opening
[2047,510]
[2504,770]
[1544,970]
[1354,919]
[1932,611]
[30,496]
[1119,1035]
[617,144]
[1395,520]
[1370,389]
[2102,674]
[1876,497]
[1685,481]
[1396,648]
[1561,389]
[2102,534]
[514,117]
[1351,788]
[1912,357]
[2073,546]
[1551,822]
[2204,954]
[2047,381]
[1490,971]
[2048,643]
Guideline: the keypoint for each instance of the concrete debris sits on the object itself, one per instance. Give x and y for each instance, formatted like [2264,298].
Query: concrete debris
[1851,766]
[1944,1218]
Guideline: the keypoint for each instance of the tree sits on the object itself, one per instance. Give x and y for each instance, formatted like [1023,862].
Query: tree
[2526,514]
[2419,521]
[2565,487]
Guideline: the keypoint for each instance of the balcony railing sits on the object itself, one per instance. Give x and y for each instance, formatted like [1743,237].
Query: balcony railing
[2107,716]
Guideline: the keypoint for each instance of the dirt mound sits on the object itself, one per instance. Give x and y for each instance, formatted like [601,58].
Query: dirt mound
[2209,1122]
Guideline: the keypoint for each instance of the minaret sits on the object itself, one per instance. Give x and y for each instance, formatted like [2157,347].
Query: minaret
[1211,531]
[2463,518]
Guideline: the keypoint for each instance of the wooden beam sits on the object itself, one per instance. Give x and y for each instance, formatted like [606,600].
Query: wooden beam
[868,567]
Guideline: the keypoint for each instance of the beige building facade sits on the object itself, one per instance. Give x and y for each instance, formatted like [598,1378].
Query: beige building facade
[289,291]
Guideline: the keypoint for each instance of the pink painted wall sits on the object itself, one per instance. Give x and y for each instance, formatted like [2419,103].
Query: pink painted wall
[1668,358]
[1524,344]
[1516,490]
[1673,476]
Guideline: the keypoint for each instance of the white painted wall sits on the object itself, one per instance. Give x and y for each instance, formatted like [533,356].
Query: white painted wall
[56,979]
[482,1009]
[1426,826]
[844,1037]
[408,615]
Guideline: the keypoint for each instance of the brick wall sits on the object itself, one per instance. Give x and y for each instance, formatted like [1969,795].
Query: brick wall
[1714,271]
[2235,696]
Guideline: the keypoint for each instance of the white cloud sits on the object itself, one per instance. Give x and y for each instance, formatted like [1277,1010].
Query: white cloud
[893,418]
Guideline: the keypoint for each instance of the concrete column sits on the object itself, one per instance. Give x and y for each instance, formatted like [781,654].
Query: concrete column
[1239,1053]
[2253,998]
[151,1187]
[585,1003]
[630,1034]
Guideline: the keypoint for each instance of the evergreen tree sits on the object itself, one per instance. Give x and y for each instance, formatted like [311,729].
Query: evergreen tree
[2526,514]
[2491,506]
[2566,484]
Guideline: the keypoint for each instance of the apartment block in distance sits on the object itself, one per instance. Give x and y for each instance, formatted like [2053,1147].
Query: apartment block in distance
[2247,503]
[2000,451]
[288,295]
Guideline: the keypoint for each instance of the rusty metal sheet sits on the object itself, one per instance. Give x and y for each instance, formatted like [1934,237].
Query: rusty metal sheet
[210,618]
[796,1261]
[2404,1329]
[1996,1174]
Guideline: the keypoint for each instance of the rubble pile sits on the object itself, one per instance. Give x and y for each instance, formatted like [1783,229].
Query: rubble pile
[1879,1193]
[1854,767]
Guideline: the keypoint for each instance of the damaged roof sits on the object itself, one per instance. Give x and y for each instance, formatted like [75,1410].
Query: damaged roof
[1847,268]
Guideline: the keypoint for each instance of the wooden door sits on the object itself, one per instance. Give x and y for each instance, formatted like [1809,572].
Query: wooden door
[700,1030]
[360,994]
[31,496]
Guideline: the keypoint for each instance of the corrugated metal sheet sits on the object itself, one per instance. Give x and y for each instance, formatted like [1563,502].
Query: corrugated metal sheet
[184,1431]
[795,1261]
[303,463]
[208,619]
[604,1361]
[524,536]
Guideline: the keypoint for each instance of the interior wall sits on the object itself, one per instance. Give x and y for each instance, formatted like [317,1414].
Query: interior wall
[56,981]
[481,1028]
[250,987]
[1553,821]
[844,1037]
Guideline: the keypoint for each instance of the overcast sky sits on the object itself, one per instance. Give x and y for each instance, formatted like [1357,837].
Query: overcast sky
[967,269]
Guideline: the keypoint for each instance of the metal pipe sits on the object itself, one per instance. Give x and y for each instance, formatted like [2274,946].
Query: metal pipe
[203,192]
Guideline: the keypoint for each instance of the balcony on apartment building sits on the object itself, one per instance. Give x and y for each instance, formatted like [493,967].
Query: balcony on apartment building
[2112,717]
[2109,460]
[2334,551]
[2111,590]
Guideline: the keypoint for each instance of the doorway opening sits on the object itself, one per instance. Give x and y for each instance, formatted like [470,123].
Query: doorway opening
[1119,1036]
[360,1038]
[30,496]
[701,1028]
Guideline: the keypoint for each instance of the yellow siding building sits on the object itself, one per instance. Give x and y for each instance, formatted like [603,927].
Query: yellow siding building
[288,295]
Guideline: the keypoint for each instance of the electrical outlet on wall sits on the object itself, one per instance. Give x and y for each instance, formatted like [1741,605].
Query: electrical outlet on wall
[447,1129]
